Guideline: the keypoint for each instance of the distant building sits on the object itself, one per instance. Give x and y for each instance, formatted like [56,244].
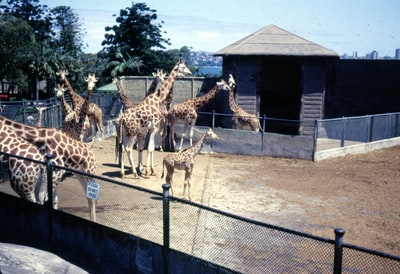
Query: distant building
[397,54]
[373,55]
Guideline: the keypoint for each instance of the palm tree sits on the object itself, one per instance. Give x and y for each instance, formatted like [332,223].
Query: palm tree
[120,64]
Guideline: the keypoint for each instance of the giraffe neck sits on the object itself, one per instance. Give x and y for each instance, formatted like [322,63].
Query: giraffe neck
[153,86]
[76,99]
[40,115]
[196,147]
[203,100]
[232,104]
[168,84]
[67,109]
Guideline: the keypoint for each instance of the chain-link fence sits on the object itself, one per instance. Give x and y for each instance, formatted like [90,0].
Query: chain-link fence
[222,238]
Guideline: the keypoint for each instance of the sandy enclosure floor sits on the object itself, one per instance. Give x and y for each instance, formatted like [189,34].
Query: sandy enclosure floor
[360,193]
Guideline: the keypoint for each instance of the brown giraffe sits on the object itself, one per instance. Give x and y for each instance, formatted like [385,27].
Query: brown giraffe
[40,116]
[145,118]
[158,80]
[241,118]
[94,111]
[184,160]
[125,101]
[66,152]
[70,122]
[27,178]
[84,123]
[186,111]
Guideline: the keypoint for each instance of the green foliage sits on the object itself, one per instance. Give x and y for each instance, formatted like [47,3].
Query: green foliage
[43,41]
[137,36]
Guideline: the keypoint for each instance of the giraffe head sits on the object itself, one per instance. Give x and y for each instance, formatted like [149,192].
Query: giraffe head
[60,89]
[91,80]
[62,73]
[231,81]
[211,134]
[181,69]
[160,75]
[223,85]
[115,80]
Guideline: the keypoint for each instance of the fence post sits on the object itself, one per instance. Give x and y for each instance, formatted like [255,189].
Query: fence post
[316,130]
[263,132]
[49,171]
[213,119]
[343,132]
[337,268]
[166,188]
[368,133]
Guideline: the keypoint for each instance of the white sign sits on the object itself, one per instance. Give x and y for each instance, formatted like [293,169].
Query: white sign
[92,190]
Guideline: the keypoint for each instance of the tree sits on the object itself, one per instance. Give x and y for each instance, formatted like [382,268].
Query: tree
[17,40]
[55,42]
[136,35]
[68,30]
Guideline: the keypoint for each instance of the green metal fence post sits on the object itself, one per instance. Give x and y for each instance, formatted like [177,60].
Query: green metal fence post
[166,188]
[337,268]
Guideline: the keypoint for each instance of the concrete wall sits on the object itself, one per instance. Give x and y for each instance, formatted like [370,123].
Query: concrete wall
[93,247]
[246,142]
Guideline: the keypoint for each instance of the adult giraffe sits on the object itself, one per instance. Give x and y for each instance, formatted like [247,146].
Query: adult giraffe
[241,118]
[145,118]
[186,111]
[95,113]
[66,152]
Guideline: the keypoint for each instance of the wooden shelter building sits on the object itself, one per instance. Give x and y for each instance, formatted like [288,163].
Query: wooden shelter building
[280,75]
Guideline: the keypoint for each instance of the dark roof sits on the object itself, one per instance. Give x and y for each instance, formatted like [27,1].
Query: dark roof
[274,41]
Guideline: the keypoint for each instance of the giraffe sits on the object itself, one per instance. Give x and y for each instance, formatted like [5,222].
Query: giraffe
[187,111]
[40,115]
[84,123]
[184,160]
[70,121]
[66,152]
[158,80]
[145,118]
[241,118]
[95,113]
[27,178]
[126,102]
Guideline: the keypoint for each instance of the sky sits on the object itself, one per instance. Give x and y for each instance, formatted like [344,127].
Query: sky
[344,26]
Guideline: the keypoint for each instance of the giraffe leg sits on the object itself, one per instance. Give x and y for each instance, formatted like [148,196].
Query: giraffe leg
[172,143]
[168,178]
[131,162]
[140,147]
[150,154]
[185,127]
[188,174]
[91,202]
[193,123]
[101,127]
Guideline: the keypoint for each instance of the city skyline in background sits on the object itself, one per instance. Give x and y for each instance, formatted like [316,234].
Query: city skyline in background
[350,28]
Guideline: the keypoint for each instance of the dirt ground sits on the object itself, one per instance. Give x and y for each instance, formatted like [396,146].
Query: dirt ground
[359,193]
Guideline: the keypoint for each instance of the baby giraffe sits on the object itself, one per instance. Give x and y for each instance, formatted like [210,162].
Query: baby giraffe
[184,160]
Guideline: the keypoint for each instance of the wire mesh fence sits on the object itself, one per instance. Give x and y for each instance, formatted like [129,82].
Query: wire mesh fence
[233,242]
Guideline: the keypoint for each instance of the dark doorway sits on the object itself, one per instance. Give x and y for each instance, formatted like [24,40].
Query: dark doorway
[280,94]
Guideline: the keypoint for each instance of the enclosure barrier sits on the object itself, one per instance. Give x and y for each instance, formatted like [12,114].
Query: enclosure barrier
[220,240]
[325,134]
